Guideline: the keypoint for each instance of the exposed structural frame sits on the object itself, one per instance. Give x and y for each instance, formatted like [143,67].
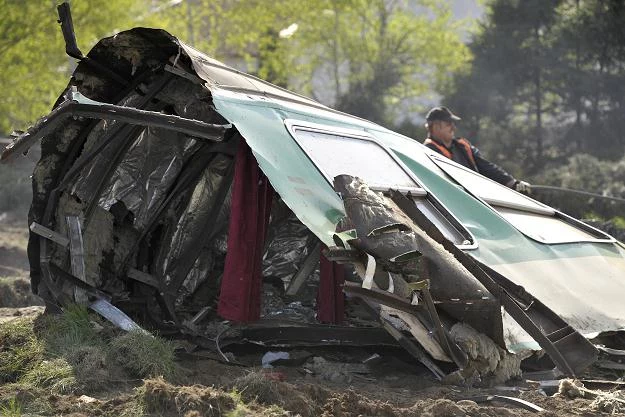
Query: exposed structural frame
[570,351]
[77,105]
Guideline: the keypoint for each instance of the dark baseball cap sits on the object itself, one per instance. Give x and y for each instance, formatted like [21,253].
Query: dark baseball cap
[441,113]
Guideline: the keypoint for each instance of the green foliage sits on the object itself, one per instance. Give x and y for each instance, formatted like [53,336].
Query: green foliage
[57,375]
[546,82]
[75,327]
[35,68]
[11,408]
[586,172]
[367,56]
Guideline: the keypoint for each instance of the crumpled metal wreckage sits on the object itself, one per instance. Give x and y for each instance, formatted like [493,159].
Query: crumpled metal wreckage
[176,191]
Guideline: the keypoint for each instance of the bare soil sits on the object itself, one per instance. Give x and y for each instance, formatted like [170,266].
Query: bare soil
[326,385]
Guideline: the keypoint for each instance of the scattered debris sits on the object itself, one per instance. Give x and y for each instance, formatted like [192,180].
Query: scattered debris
[174,192]
[270,357]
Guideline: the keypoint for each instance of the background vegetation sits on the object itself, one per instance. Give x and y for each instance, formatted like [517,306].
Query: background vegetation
[545,92]
[540,83]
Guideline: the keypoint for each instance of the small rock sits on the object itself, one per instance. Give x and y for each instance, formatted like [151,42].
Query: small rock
[86,399]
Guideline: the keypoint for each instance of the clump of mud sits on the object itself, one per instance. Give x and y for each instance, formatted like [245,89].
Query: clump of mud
[161,397]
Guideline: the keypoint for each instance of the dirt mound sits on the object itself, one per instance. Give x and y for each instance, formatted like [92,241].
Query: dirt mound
[265,388]
[352,404]
[166,399]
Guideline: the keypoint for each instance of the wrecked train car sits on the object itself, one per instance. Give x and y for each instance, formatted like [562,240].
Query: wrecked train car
[180,190]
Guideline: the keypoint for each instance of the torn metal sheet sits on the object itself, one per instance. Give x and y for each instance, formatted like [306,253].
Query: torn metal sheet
[77,105]
[115,316]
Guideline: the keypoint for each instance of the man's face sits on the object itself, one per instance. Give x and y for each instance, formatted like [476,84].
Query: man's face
[444,130]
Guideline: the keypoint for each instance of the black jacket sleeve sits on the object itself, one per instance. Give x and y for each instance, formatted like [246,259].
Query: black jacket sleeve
[491,170]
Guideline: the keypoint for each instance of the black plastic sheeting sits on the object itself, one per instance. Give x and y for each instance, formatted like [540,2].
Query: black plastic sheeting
[150,167]
[186,232]
[289,243]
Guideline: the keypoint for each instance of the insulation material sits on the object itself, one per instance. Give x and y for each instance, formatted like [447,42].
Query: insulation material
[191,101]
[97,236]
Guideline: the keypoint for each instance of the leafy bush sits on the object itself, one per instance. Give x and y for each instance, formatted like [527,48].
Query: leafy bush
[587,173]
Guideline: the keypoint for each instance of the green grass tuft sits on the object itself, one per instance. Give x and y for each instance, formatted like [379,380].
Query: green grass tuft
[143,355]
[57,374]
[74,327]
[11,408]
[20,350]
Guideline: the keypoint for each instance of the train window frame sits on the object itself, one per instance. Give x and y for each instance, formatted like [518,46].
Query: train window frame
[507,209]
[425,201]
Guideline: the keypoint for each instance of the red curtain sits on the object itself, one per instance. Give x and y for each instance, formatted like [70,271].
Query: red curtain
[330,299]
[242,282]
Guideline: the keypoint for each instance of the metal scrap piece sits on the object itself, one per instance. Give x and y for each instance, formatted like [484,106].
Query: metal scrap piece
[509,400]
[77,105]
[116,316]
[43,231]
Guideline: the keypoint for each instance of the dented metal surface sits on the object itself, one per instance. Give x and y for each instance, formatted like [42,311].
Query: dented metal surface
[145,166]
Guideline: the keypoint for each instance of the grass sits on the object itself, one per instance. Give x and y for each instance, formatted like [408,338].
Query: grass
[75,350]
[48,362]
[11,408]
[57,375]
[144,355]
[20,349]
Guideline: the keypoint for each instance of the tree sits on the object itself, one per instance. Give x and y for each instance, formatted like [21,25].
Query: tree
[364,57]
[35,67]
[511,81]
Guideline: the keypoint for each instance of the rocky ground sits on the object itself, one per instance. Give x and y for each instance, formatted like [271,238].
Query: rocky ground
[78,375]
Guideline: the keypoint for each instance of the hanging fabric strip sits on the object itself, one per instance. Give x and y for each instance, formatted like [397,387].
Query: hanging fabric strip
[242,282]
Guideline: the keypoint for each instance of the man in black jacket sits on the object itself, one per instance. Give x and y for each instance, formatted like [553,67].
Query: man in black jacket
[441,126]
